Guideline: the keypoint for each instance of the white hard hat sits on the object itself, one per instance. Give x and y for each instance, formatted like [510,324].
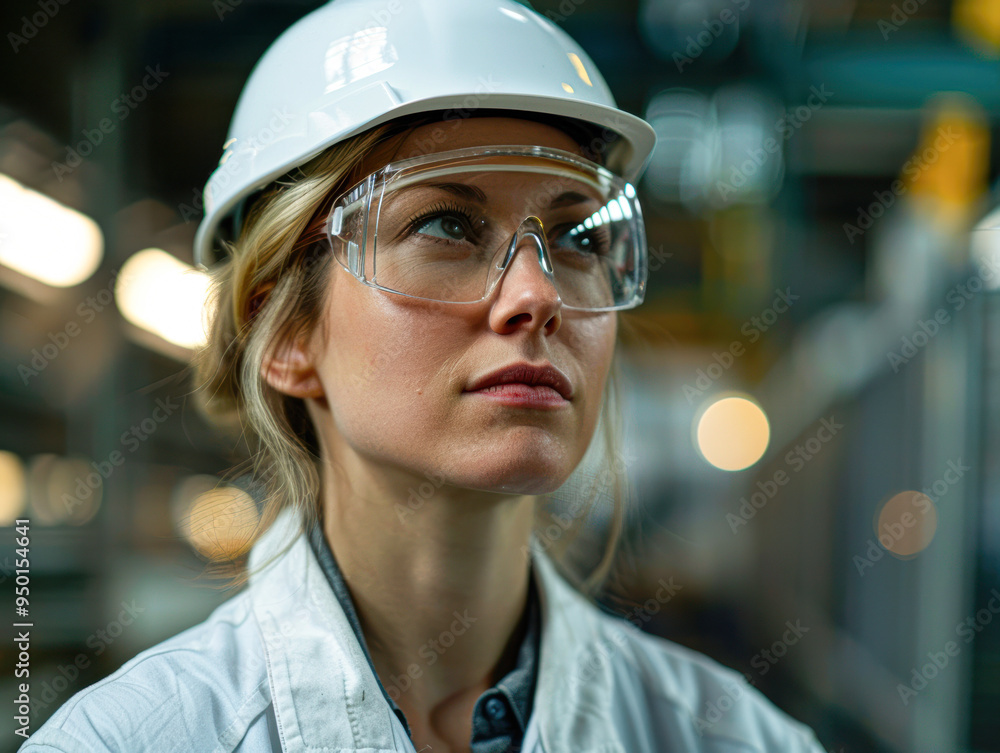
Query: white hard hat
[353,64]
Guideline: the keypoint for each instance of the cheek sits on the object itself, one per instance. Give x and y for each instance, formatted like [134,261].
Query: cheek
[383,369]
[597,354]
[594,344]
[609,337]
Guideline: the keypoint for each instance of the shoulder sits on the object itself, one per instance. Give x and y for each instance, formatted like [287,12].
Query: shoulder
[694,699]
[199,690]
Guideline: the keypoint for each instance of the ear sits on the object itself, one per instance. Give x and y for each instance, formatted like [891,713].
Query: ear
[291,369]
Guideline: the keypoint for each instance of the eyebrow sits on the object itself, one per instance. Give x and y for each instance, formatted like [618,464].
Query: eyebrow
[463,190]
[570,197]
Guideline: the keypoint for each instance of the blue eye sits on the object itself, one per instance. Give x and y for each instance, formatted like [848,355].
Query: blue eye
[587,243]
[445,226]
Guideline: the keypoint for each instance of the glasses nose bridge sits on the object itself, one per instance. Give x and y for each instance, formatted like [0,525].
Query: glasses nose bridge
[531,228]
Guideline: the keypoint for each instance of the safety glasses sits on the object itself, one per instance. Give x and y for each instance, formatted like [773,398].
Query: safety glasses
[445,227]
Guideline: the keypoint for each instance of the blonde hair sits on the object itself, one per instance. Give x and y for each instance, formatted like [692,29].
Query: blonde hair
[271,288]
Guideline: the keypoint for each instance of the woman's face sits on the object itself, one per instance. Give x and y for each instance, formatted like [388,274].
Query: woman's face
[392,374]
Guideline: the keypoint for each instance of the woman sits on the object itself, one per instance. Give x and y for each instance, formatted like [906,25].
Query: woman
[418,320]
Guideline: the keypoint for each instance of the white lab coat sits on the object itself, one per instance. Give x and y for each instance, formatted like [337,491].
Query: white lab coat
[278,668]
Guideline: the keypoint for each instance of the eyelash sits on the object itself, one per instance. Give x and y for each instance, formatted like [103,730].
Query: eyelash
[435,211]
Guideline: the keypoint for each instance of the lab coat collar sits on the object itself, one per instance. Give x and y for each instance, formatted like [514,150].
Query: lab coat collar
[325,695]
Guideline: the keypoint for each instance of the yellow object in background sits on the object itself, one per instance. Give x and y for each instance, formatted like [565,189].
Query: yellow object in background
[950,164]
[978,23]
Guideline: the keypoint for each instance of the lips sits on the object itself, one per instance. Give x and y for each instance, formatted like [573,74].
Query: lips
[525,373]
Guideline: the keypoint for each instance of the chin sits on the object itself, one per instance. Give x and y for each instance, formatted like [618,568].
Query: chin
[518,476]
[523,463]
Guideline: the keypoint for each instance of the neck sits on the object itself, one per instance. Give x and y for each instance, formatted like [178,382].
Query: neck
[439,580]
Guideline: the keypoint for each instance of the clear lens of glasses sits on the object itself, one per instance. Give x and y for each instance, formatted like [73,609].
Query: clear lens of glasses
[444,227]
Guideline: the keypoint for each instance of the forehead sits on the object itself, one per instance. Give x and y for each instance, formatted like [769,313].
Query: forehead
[463,133]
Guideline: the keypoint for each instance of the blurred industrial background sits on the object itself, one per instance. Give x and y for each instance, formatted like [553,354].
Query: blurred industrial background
[813,403]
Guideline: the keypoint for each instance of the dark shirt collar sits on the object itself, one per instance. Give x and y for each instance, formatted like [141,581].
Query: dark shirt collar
[501,714]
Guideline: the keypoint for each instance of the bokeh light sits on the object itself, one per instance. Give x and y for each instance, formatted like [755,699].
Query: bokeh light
[218,521]
[45,240]
[161,294]
[63,490]
[906,523]
[733,433]
[13,488]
